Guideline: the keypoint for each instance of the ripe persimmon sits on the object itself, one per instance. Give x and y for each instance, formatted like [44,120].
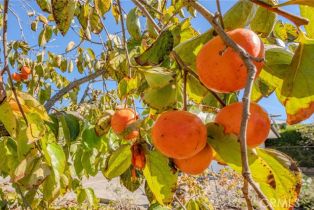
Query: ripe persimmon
[25,70]
[24,76]
[258,125]
[121,119]
[138,156]
[196,164]
[179,134]
[17,77]
[220,68]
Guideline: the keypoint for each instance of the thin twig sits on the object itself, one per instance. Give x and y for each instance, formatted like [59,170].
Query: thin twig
[6,59]
[19,23]
[71,86]
[150,7]
[220,14]
[298,21]
[125,43]
[25,202]
[147,15]
[246,98]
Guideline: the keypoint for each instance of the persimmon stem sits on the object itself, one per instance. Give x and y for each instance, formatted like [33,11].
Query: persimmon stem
[246,100]
[298,21]
[6,59]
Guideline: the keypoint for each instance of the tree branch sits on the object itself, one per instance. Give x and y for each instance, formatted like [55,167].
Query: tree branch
[246,98]
[6,59]
[49,104]
[298,21]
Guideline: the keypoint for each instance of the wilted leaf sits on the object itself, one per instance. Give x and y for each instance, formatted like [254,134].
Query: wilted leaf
[286,31]
[161,180]
[102,6]
[115,12]
[261,89]
[70,46]
[63,12]
[95,22]
[44,5]
[83,16]
[159,50]
[183,32]
[119,162]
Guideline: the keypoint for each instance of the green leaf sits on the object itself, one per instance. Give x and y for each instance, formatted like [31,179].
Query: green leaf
[44,36]
[161,180]
[89,162]
[301,2]
[133,24]
[89,137]
[160,98]
[102,6]
[199,204]
[56,157]
[195,90]
[308,12]
[182,32]
[119,162]
[70,125]
[126,86]
[36,127]
[294,82]
[158,51]
[277,176]
[158,77]
[261,89]
[8,119]
[63,12]
[44,5]
[264,20]
[128,182]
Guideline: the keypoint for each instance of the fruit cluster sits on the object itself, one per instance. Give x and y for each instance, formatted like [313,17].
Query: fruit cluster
[182,136]
[25,71]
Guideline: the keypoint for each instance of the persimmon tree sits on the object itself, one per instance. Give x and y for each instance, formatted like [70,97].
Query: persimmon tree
[147,129]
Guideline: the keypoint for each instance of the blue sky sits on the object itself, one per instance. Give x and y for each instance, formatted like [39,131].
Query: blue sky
[59,43]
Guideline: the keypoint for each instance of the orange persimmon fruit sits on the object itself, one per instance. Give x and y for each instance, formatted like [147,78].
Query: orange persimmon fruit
[220,68]
[17,77]
[25,70]
[197,163]
[258,125]
[179,134]
[121,119]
